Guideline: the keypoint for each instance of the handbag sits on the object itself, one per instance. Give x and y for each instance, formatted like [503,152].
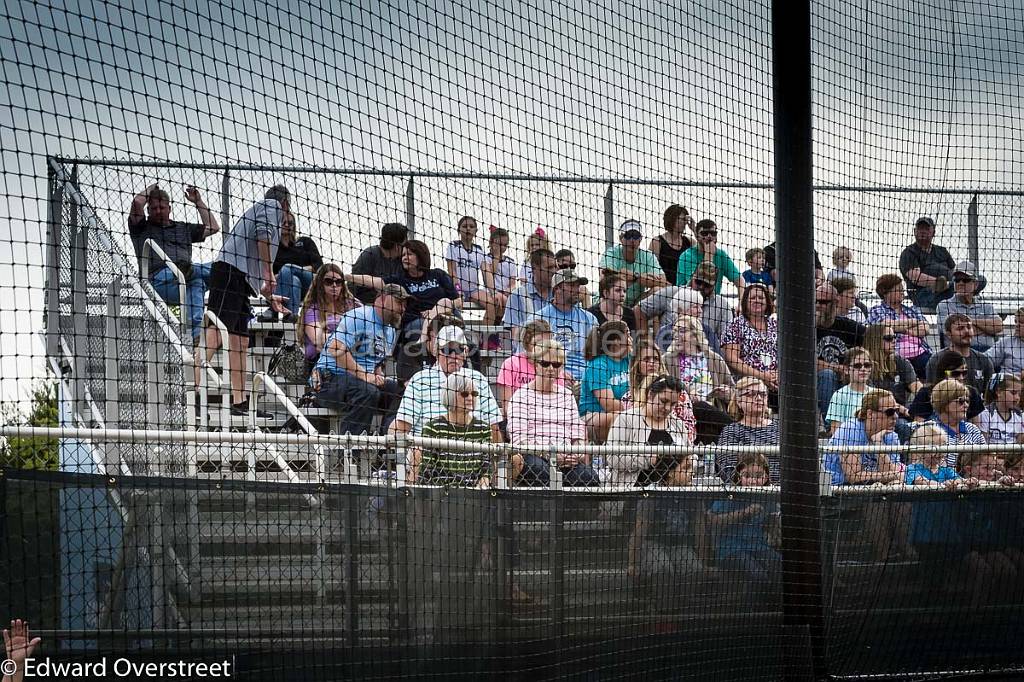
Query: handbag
[289,363]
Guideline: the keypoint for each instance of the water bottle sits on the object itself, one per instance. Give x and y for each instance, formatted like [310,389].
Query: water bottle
[709,465]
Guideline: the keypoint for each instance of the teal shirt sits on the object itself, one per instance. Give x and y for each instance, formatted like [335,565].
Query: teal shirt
[603,373]
[692,257]
[645,263]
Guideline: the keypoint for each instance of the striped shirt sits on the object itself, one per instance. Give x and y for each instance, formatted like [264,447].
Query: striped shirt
[454,468]
[741,434]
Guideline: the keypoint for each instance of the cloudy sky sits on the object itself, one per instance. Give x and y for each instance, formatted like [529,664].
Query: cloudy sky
[906,94]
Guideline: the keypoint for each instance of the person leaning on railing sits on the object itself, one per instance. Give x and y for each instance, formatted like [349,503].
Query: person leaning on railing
[655,424]
[950,401]
[444,466]
[874,424]
[150,218]
[349,375]
[543,412]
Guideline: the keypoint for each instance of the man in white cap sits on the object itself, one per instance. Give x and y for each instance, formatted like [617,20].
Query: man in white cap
[639,267]
[569,322]
[926,267]
[988,326]
[422,400]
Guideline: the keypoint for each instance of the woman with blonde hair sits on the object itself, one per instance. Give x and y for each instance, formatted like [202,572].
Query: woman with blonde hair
[873,424]
[537,240]
[326,301]
[890,370]
[702,371]
[754,425]
[950,400]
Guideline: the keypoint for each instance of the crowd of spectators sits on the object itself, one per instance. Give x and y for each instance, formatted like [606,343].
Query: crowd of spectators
[659,357]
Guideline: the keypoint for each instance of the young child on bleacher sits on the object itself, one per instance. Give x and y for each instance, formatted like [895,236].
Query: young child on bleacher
[465,258]
[498,270]
[841,259]
[746,533]
[846,401]
[1002,421]
[756,271]
[536,241]
[929,467]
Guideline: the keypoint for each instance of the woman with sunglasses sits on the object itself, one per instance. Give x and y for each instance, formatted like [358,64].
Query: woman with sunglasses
[907,321]
[543,412]
[889,369]
[948,365]
[655,424]
[606,378]
[950,402]
[846,401]
[754,425]
[873,424]
[443,466]
[326,301]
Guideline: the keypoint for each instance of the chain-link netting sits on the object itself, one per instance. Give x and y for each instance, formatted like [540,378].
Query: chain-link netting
[384,339]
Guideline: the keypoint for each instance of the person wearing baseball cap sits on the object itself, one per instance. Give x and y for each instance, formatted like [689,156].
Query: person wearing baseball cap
[988,326]
[349,374]
[639,267]
[569,322]
[926,267]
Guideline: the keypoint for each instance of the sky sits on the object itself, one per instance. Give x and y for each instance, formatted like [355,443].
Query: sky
[906,94]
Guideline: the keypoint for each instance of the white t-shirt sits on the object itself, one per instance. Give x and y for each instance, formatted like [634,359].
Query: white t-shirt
[467,265]
[998,431]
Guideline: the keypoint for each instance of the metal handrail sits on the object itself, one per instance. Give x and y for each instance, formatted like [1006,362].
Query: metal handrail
[208,372]
[151,246]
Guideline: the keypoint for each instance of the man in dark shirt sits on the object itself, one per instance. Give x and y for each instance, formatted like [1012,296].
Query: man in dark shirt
[959,330]
[927,267]
[149,220]
[297,261]
[835,335]
[380,261]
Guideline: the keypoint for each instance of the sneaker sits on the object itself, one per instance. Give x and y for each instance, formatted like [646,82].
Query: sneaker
[267,315]
[289,318]
[242,410]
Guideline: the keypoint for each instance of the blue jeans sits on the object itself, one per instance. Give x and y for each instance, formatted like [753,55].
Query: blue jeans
[828,383]
[292,283]
[536,471]
[925,298]
[358,401]
[166,286]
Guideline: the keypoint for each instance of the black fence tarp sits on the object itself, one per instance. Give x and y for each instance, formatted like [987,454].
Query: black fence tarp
[336,581]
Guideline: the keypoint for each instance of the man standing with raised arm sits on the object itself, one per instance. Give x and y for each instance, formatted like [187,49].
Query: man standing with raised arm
[244,267]
[150,218]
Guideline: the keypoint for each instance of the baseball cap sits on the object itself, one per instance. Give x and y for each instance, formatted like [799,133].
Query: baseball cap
[966,267]
[631,226]
[567,276]
[396,290]
[926,220]
[450,334]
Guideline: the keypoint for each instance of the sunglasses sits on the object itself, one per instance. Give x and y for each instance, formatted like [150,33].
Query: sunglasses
[754,394]
[333,282]
[453,350]
[550,364]
[890,411]
[963,401]
[862,365]
[467,394]
[963,280]
[889,337]
[956,372]
[709,233]
[824,301]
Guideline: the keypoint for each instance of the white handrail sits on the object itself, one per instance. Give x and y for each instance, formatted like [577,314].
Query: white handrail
[208,373]
[261,379]
[151,245]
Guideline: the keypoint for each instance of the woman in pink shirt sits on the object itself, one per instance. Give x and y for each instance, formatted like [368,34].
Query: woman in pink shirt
[518,370]
[544,412]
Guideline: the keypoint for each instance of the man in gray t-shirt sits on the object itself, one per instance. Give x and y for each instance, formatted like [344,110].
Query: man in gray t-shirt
[988,326]
[243,268]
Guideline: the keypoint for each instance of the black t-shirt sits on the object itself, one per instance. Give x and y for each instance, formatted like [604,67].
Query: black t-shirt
[175,239]
[661,469]
[837,339]
[627,316]
[935,262]
[302,252]
[668,258]
[373,262]
[425,290]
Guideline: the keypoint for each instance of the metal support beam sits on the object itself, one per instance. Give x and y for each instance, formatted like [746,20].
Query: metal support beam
[225,203]
[54,223]
[794,228]
[972,232]
[410,207]
[609,217]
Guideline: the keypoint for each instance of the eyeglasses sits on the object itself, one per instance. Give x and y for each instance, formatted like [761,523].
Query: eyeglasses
[709,233]
[467,394]
[889,337]
[754,394]
[890,411]
[962,400]
[567,266]
[453,350]
[862,365]
[550,364]
[333,282]
[963,280]
[956,372]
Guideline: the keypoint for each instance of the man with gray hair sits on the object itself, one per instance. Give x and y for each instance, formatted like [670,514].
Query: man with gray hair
[685,302]
[243,268]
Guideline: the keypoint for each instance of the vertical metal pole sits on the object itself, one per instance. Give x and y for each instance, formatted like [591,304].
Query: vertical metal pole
[972,232]
[79,299]
[609,217]
[225,202]
[410,207]
[54,232]
[794,226]
[112,365]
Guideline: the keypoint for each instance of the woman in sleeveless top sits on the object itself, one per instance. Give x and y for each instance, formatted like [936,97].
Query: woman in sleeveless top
[671,243]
